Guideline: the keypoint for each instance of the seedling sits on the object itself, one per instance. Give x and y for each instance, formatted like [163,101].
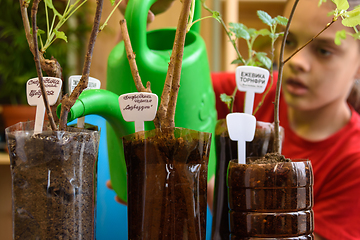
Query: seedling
[52,66]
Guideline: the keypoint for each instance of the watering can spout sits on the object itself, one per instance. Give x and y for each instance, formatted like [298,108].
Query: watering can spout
[98,102]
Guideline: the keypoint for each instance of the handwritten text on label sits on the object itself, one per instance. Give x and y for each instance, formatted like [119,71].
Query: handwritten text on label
[138,106]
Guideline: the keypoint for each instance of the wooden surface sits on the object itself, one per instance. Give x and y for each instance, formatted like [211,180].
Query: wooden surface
[5,203]
[4,159]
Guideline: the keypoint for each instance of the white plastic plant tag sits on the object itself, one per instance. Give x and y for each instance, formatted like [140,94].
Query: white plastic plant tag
[251,80]
[93,83]
[34,97]
[241,128]
[138,107]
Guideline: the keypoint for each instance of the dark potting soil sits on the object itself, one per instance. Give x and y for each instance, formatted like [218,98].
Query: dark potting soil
[167,188]
[54,186]
[226,150]
[269,158]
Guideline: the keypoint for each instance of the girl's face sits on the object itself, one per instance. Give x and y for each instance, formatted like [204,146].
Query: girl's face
[322,73]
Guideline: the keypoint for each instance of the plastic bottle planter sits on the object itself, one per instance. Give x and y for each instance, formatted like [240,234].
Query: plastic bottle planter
[167,184]
[271,200]
[53,182]
[226,150]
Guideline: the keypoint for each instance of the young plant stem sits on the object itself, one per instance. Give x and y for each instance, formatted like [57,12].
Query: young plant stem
[34,10]
[166,112]
[50,66]
[233,99]
[308,42]
[233,42]
[277,145]
[112,12]
[271,78]
[132,62]
[131,58]
[67,101]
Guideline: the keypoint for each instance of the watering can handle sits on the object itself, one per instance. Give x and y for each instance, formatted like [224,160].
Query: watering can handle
[136,18]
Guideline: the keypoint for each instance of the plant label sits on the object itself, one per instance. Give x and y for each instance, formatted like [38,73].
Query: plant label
[241,128]
[251,80]
[93,83]
[138,107]
[34,97]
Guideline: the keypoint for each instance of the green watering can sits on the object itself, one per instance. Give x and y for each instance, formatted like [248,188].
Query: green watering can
[196,100]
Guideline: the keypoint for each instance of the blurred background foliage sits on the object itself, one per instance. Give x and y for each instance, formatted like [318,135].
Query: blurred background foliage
[17,62]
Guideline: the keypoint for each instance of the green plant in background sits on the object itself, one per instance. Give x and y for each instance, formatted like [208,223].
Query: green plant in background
[54,21]
[348,19]
[238,31]
[17,62]
[53,27]
[260,59]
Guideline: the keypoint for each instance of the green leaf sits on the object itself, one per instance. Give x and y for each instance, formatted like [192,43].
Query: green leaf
[60,35]
[226,99]
[265,17]
[240,30]
[340,35]
[252,32]
[281,20]
[236,61]
[263,32]
[261,56]
[51,6]
[352,18]
[112,2]
[331,13]
[341,4]
[39,31]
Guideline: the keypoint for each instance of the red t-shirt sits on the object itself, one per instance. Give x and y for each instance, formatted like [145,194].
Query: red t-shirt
[335,161]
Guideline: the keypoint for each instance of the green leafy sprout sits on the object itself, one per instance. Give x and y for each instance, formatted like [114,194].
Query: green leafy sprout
[238,31]
[348,19]
[57,20]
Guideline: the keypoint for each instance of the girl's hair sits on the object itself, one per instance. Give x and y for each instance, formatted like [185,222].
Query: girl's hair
[354,97]
[353,3]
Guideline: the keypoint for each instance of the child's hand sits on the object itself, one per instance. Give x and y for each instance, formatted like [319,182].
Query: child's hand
[159,6]
[119,200]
